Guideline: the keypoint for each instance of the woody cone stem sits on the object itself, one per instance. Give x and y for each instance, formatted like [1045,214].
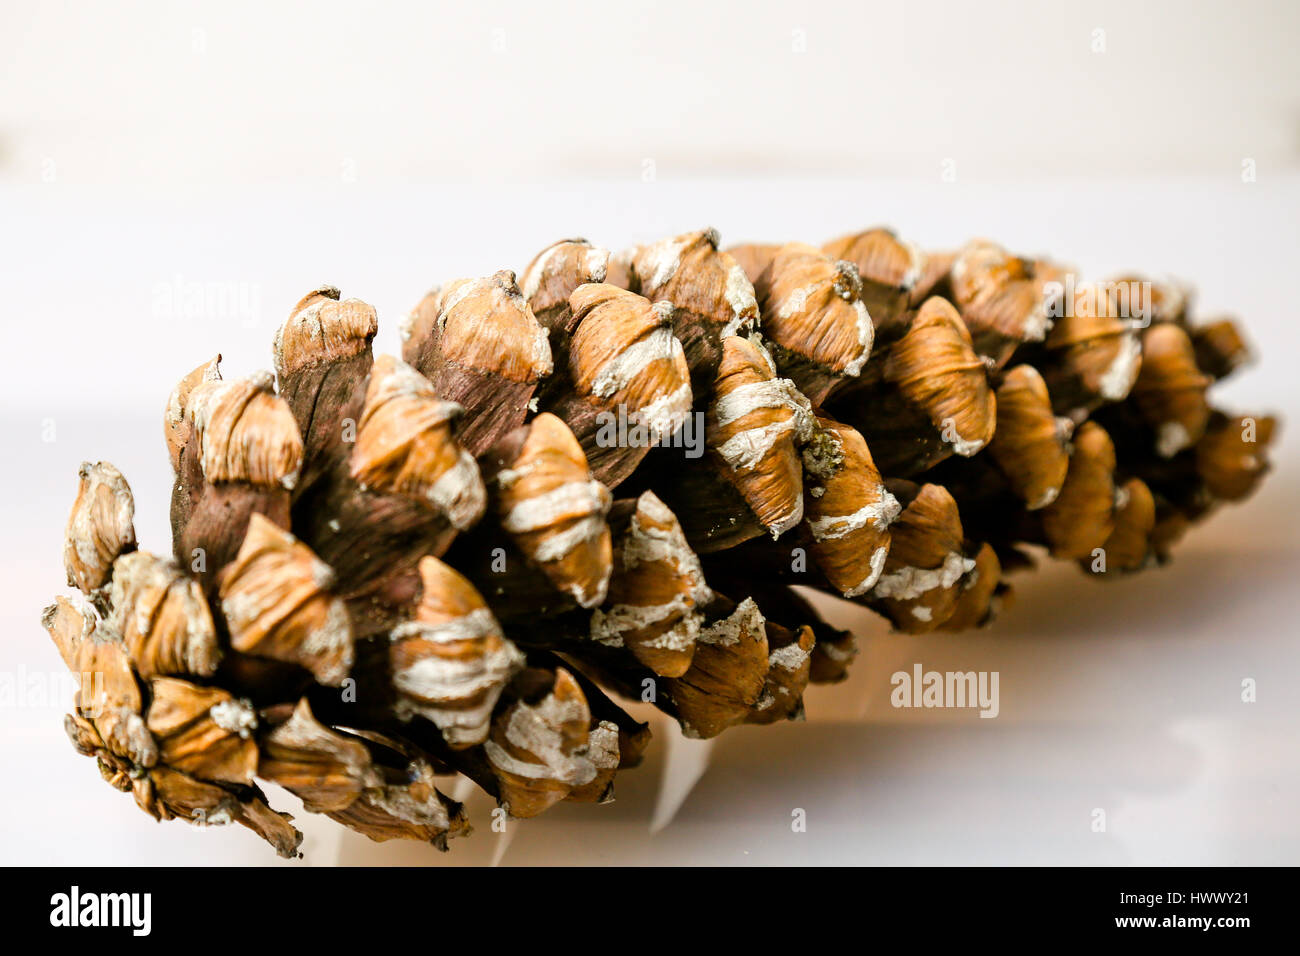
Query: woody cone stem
[615,478]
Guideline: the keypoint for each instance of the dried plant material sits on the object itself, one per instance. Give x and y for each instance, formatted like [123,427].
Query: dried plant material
[754,258]
[70,625]
[633,735]
[327,770]
[242,456]
[100,527]
[1128,548]
[402,490]
[1083,515]
[1159,301]
[277,599]
[711,296]
[1171,300]
[619,271]
[881,257]
[789,663]
[755,426]
[82,735]
[321,329]
[201,728]
[936,272]
[557,271]
[624,352]
[162,616]
[1170,527]
[1002,301]
[924,571]
[109,696]
[551,278]
[1030,444]
[450,663]
[750,482]
[890,269]
[411,808]
[178,425]
[603,752]
[787,612]
[626,386]
[554,510]
[930,398]
[655,592]
[339,533]
[322,354]
[485,324]
[1231,457]
[167,794]
[405,445]
[728,674]
[202,731]
[1093,354]
[1220,348]
[539,742]
[1170,390]
[847,508]
[245,432]
[417,326]
[817,326]
[980,595]
[833,649]
[831,656]
[935,370]
[485,351]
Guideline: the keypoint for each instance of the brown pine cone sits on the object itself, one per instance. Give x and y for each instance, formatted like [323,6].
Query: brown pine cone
[605,480]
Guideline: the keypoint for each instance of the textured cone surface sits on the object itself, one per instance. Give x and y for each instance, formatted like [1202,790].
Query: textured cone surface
[615,479]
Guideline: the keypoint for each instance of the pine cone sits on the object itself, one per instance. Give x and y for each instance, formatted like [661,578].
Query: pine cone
[608,481]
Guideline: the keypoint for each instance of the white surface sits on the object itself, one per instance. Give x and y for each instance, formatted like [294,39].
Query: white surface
[250,91]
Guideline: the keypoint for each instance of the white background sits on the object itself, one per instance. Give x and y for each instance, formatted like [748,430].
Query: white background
[259,149]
